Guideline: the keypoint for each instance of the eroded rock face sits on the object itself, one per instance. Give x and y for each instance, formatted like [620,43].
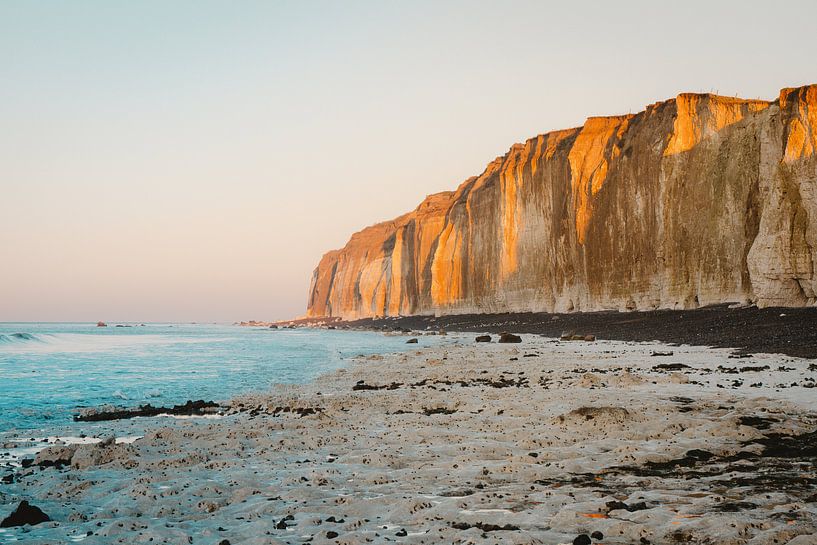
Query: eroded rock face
[696,200]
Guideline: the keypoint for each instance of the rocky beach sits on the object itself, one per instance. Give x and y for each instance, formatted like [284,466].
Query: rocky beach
[540,441]
[417,273]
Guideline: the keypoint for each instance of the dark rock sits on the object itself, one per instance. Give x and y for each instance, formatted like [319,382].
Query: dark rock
[597,535]
[757,422]
[484,527]
[190,408]
[670,367]
[7,479]
[361,385]
[633,507]
[659,354]
[483,339]
[401,533]
[24,514]
[755,369]
[582,539]
[224,542]
[438,410]
[509,338]
[101,324]
[331,535]
[734,507]
[411,341]
[27,462]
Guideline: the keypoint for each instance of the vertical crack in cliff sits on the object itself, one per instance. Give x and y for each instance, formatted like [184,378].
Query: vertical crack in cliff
[699,116]
[589,163]
[801,107]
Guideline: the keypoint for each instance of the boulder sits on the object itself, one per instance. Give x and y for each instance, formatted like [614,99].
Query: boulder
[572,336]
[509,338]
[56,456]
[413,340]
[101,324]
[483,339]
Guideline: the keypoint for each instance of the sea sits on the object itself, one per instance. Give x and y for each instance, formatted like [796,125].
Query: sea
[50,370]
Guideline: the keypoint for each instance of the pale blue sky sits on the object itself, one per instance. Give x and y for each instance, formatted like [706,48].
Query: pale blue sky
[193,160]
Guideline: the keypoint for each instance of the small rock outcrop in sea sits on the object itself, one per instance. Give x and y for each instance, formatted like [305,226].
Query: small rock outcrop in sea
[190,408]
[412,341]
[24,514]
[697,200]
[483,339]
[101,324]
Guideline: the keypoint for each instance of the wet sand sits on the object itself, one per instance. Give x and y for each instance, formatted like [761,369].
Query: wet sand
[537,442]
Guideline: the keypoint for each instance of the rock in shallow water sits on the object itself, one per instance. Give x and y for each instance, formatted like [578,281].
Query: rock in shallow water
[57,456]
[25,514]
[190,408]
[509,338]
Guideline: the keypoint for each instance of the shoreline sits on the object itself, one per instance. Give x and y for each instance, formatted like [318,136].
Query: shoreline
[747,330]
[537,442]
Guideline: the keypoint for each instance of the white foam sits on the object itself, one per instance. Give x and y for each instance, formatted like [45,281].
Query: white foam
[192,416]
[91,342]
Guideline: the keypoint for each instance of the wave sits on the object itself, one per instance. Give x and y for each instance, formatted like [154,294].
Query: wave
[20,338]
[51,343]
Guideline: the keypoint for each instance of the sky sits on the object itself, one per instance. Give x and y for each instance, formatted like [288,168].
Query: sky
[192,160]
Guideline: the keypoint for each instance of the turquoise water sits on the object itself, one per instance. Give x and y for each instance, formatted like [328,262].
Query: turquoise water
[48,370]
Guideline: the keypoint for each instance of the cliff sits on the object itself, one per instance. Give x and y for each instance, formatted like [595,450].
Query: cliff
[696,200]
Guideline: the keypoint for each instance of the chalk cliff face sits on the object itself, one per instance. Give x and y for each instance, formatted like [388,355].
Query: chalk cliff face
[697,200]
